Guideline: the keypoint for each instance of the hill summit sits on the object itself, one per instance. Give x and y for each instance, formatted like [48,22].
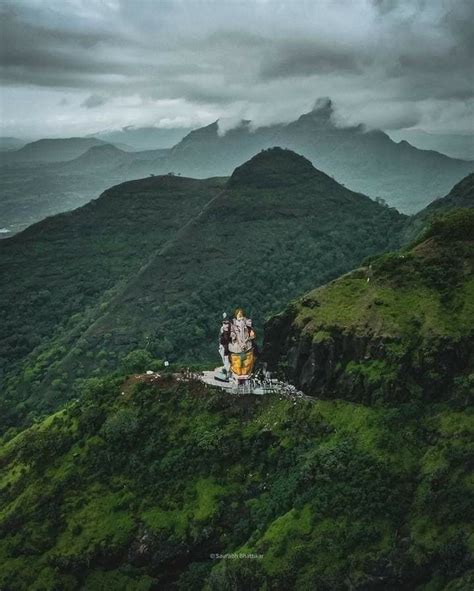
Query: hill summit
[97,157]
[275,167]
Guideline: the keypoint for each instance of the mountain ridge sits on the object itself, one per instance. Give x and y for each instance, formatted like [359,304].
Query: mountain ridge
[108,158]
[366,161]
[143,138]
[51,150]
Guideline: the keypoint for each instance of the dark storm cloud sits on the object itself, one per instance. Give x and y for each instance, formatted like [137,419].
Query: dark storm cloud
[458,21]
[94,100]
[384,62]
[305,58]
[385,6]
[37,53]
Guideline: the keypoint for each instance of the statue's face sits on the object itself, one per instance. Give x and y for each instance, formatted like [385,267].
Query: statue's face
[239,315]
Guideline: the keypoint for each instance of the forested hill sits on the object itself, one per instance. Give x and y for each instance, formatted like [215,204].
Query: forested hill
[276,229]
[278,226]
[460,196]
[56,272]
[145,483]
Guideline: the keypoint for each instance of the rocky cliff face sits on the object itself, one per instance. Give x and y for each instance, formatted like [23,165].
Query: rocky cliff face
[402,327]
[344,364]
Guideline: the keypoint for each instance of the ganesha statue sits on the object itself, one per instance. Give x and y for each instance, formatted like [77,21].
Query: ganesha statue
[241,346]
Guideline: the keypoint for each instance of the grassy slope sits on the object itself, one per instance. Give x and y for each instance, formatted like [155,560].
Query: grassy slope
[135,486]
[406,290]
[402,311]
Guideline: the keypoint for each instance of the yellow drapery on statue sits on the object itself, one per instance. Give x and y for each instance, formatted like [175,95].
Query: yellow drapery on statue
[241,346]
[242,363]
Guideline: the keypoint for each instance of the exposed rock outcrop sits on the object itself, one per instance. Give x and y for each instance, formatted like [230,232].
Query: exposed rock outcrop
[340,363]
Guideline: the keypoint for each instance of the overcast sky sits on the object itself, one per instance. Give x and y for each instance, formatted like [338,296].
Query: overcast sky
[71,67]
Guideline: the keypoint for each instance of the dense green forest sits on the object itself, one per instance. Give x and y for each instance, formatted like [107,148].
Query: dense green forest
[112,479]
[138,490]
[152,264]
[64,264]
[145,483]
[60,272]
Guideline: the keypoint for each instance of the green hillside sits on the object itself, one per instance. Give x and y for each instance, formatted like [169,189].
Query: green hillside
[55,273]
[461,196]
[150,484]
[278,226]
[73,176]
[137,491]
[399,328]
[146,484]
[276,229]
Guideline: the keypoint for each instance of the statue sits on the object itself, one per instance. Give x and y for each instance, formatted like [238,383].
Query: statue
[224,340]
[241,346]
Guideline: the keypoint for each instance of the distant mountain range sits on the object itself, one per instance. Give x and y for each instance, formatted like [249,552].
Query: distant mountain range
[143,138]
[53,175]
[366,161]
[108,158]
[455,145]
[51,150]
[50,176]
[11,143]
[80,154]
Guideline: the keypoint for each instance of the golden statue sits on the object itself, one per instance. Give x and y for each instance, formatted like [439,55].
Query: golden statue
[241,346]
